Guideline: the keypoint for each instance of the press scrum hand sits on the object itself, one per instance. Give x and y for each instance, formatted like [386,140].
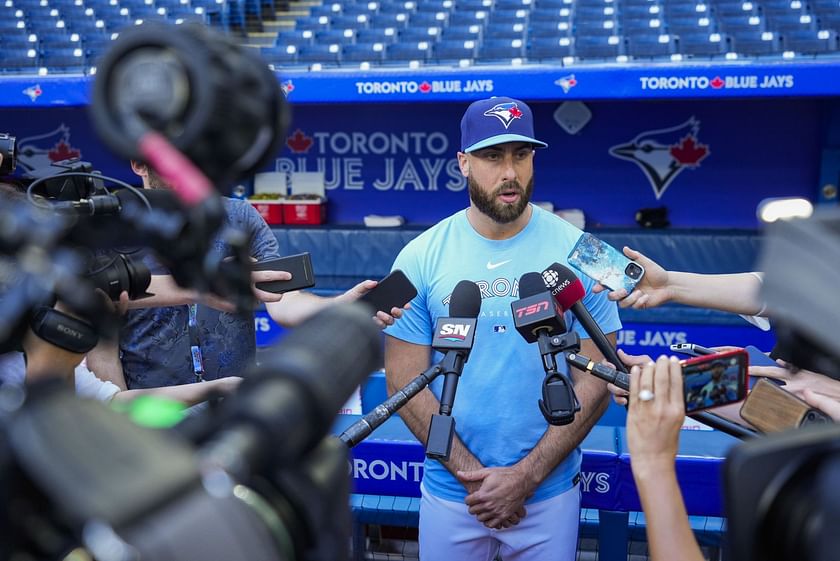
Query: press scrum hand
[656,413]
[381,318]
[651,291]
[620,395]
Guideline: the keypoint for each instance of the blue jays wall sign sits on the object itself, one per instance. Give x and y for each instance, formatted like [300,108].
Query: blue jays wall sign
[662,154]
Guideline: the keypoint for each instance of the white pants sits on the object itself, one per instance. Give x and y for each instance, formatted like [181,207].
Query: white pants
[448,532]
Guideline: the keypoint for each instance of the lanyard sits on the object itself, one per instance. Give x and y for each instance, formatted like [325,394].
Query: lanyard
[195,346]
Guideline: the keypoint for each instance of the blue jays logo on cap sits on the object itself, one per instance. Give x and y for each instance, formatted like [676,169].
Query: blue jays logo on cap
[505,112]
[497,120]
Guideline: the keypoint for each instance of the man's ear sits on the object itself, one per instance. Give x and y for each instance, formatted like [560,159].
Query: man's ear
[139,168]
[464,164]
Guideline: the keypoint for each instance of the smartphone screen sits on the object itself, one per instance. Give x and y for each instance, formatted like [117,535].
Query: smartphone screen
[604,263]
[394,291]
[715,380]
[300,267]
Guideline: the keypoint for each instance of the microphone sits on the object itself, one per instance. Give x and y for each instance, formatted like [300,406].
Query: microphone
[538,319]
[286,405]
[454,336]
[568,291]
[616,377]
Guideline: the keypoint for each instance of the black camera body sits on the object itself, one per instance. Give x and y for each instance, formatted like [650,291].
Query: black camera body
[8,153]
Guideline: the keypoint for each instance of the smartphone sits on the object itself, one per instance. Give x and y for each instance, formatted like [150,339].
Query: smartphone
[394,291]
[770,408]
[691,349]
[605,264]
[300,266]
[715,380]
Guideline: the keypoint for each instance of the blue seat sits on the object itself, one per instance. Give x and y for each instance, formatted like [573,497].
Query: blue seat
[296,37]
[65,60]
[507,31]
[548,29]
[757,43]
[461,32]
[646,26]
[726,8]
[363,52]
[405,52]
[550,49]
[279,55]
[825,5]
[349,21]
[329,9]
[647,10]
[312,23]
[509,16]
[651,46]
[703,44]
[691,24]
[389,19]
[684,9]
[501,50]
[417,34]
[476,17]
[598,48]
[428,19]
[332,36]
[512,4]
[377,35]
[811,42]
[739,23]
[322,54]
[454,50]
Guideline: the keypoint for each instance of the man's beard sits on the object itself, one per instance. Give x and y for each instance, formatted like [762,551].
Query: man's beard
[498,211]
[156,181]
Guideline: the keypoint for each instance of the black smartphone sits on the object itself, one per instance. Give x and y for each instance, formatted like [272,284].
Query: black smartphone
[394,291]
[300,266]
[691,349]
[715,380]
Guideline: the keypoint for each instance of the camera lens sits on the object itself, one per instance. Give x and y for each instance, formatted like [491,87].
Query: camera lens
[633,271]
[118,273]
[8,152]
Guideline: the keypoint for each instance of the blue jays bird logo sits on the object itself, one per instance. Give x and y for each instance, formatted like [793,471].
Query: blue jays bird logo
[663,153]
[505,112]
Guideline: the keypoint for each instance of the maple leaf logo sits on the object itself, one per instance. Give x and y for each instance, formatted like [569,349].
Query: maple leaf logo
[287,87]
[299,143]
[425,87]
[63,151]
[689,152]
[717,83]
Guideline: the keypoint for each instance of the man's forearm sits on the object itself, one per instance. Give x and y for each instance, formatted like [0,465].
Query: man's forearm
[417,415]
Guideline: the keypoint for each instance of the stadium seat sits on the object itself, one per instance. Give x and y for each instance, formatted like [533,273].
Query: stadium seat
[549,29]
[13,61]
[417,34]
[507,31]
[461,32]
[428,19]
[327,55]
[501,50]
[811,42]
[757,43]
[376,35]
[449,51]
[550,49]
[401,53]
[279,55]
[651,46]
[295,37]
[598,48]
[362,52]
[333,36]
[703,44]
[389,19]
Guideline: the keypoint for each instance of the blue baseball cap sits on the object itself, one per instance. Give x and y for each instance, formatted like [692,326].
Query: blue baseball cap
[497,120]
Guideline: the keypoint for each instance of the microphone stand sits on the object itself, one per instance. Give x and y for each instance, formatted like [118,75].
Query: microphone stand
[559,402]
[442,426]
[362,428]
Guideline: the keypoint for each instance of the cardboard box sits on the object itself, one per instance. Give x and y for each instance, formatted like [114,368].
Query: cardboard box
[310,210]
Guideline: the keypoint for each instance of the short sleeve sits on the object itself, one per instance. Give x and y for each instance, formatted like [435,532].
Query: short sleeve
[415,326]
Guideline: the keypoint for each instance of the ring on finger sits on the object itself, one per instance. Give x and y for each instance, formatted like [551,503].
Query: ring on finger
[645,395]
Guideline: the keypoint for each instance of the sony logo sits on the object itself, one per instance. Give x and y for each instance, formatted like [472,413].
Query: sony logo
[69,331]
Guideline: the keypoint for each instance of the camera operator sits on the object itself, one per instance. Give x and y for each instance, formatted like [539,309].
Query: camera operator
[186,341]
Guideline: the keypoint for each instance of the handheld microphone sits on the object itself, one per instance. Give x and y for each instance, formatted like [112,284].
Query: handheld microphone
[539,320]
[568,292]
[454,336]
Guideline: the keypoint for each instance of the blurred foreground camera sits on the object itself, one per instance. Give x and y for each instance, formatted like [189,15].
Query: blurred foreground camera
[259,479]
[8,153]
[115,273]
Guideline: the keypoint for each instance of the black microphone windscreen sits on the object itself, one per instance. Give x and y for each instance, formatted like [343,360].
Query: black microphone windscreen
[465,301]
[531,284]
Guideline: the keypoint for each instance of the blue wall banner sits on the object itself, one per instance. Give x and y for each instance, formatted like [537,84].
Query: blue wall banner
[708,162]
[687,81]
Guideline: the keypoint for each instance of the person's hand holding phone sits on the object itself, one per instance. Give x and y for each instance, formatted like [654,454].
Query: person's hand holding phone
[383,319]
[268,276]
[651,291]
[620,395]
[655,415]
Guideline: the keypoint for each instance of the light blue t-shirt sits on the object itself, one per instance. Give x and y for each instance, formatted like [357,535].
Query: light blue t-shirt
[496,412]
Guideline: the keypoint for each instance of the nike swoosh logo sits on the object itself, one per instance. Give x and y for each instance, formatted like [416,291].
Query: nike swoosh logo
[491,265]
